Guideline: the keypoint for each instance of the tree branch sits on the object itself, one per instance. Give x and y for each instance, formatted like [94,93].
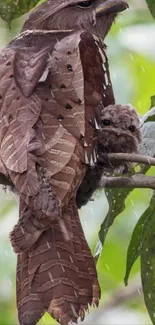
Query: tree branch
[136,181]
[124,294]
[131,157]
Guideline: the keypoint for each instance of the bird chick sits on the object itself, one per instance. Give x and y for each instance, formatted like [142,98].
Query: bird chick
[119,133]
[120,130]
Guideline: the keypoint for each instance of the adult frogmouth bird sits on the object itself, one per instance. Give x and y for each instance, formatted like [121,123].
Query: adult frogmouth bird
[54,82]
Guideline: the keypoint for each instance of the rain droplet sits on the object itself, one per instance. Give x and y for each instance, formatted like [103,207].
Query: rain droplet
[107,267]
[6,253]
[50,275]
[143,69]
[85,223]
[48,245]
[131,56]
[74,311]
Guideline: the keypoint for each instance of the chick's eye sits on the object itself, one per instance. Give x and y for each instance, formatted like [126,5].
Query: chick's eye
[106,122]
[84,4]
[132,128]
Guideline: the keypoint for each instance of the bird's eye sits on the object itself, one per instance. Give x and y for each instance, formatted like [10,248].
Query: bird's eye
[106,122]
[132,128]
[84,4]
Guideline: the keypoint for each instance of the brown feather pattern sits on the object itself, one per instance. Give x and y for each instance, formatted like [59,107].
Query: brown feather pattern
[53,86]
[45,121]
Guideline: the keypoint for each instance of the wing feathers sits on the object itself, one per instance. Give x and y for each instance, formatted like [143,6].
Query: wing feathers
[52,87]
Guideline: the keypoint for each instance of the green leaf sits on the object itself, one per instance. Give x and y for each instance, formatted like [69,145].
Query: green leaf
[150,115]
[148,262]
[11,9]
[116,199]
[136,242]
[151,5]
[152,101]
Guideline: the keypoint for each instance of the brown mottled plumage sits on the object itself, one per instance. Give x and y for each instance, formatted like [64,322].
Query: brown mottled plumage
[54,82]
[120,132]
[122,124]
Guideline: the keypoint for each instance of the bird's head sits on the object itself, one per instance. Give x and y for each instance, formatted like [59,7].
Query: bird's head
[120,130]
[95,16]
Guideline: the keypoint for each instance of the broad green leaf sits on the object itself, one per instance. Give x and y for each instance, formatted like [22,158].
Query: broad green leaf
[148,262]
[136,240]
[148,148]
[151,5]
[11,9]
[116,199]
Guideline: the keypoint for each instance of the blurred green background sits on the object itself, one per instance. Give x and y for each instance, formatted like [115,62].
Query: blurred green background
[131,48]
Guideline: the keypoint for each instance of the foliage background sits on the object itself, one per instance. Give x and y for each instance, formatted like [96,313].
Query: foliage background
[132,63]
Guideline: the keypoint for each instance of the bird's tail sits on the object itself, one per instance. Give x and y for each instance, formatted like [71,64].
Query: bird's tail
[88,284]
[57,274]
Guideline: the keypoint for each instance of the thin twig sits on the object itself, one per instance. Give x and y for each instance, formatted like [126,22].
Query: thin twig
[119,297]
[131,157]
[124,294]
[136,181]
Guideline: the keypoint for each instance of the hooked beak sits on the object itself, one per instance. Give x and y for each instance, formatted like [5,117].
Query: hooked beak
[111,6]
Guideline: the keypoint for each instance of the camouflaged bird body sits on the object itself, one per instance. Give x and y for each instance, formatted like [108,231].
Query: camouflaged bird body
[50,122]
[53,86]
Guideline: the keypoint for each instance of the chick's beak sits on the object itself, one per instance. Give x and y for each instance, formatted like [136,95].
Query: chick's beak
[111,6]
